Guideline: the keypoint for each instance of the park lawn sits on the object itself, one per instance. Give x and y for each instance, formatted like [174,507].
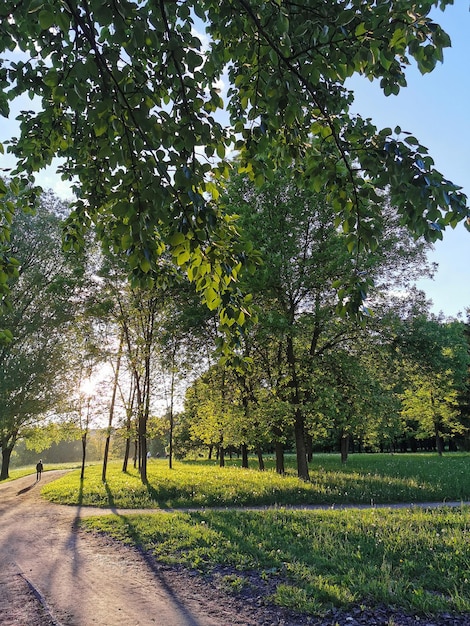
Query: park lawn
[417,560]
[365,479]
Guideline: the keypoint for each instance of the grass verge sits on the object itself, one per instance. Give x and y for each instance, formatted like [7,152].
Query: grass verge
[365,479]
[418,560]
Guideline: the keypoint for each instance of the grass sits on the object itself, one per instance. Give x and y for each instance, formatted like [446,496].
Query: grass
[418,560]
[366,479]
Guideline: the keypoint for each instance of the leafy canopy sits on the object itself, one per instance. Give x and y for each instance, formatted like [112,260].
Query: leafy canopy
[128,101]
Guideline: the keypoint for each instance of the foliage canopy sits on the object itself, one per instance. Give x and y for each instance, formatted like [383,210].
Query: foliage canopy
[129,102]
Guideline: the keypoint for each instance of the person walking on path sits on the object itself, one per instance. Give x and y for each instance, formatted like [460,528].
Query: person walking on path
[39,468]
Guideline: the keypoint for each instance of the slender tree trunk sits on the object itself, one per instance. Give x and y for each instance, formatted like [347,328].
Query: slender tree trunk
[209,454]
[244,448]
[309,445]
[172,393]
[259,454]
[299,424]
[344,447]
[6,456]
[300,448]
[126,454]
[279,449]
[84,438]
[439,440]
[221,456]
[82,474]
[129,412]
[136,452]
[111,408]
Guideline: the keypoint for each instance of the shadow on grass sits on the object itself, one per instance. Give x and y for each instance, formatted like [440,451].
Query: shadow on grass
[110,496]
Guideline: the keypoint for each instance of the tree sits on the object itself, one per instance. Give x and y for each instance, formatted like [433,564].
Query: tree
[128,101]
[438,363]
[305,274]
[34,362]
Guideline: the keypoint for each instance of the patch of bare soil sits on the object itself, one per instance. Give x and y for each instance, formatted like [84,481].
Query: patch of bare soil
[52,574]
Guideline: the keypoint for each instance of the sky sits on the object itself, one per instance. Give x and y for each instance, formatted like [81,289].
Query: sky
[434,108]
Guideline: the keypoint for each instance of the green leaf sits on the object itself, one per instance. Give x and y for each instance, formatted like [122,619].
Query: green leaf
[46,19]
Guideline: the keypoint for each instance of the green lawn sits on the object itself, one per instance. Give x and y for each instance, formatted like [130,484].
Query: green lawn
[418,560]
[365,479]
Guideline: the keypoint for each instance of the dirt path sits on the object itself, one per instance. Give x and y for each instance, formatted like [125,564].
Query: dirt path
[51,574]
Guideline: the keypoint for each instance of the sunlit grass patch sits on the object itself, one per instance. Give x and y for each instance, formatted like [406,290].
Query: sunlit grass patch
[417,560]
[365,479]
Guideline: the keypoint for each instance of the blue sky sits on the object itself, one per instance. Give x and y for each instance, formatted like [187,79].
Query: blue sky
[434,107]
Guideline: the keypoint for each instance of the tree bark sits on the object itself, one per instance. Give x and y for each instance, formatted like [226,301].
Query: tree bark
[111,409]
[300,447]
[279,448]
[299,424]
[6,455]
[126,454]
[439,441]
[244,448]
[344,448]
[82,474]
[259,453]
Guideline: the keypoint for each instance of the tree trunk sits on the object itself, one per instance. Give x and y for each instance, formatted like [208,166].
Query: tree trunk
[259,453]
[309,445]
[82,474]
[6,455]
[129,411]
[244,448]
[439,441]
[136,452]
[209,454]
[172,397]
[111,408]
[126,454]
[344,448]
[300,447]
[221,456]
[279,447]
[299,425]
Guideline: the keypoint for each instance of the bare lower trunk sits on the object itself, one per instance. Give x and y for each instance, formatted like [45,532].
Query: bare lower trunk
[82,474]
[126,455]
[300,448]
[344,448]
[221,456]
[279,448]
[299,425]
[259,454]
[244,455]
[439,442]
[6,455]
[111,409]
[309,445]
